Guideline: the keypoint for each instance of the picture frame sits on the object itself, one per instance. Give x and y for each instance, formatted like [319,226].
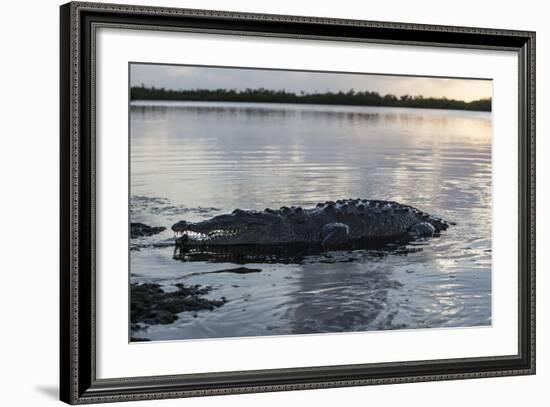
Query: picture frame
[79,382]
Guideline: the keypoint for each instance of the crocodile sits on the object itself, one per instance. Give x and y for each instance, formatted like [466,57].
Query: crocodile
[328,225]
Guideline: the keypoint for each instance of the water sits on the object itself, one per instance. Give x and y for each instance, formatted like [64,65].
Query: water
[194,160]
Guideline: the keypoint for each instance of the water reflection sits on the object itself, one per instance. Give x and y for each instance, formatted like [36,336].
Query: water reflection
[196,160]
[353,297]
[295,254]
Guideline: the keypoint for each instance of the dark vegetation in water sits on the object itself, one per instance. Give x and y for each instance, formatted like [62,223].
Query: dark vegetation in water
[140,229]
[236,270]
[351,97]
[151,305]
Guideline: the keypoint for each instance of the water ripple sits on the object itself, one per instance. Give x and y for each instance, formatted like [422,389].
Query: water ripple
[192,161]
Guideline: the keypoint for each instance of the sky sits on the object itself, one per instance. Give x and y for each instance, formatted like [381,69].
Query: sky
[178,77]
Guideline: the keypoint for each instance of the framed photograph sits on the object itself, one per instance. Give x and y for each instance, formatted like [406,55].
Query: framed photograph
[255,203]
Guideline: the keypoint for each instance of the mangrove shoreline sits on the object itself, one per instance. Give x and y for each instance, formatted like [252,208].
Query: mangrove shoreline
[350,98]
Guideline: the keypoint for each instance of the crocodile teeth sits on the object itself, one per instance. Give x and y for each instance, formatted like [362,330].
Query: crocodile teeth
[212,235]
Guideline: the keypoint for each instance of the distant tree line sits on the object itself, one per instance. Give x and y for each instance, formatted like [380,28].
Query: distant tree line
[351,97]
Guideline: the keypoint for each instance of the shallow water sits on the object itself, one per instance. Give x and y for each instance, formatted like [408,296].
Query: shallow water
[193,160]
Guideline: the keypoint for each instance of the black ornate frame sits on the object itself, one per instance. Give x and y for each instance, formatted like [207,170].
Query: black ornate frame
[79,383]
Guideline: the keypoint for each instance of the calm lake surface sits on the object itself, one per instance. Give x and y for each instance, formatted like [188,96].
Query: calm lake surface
[194,160]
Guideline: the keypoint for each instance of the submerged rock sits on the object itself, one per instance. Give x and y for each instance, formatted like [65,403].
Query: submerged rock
[236,270]
[149,304]
[136,339]
[141,229]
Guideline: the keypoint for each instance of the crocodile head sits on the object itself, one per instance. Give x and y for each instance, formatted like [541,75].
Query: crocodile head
[239,227]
